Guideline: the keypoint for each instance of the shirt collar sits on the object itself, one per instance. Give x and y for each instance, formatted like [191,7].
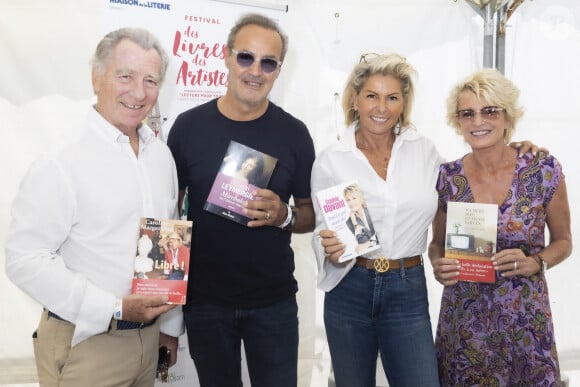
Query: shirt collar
[113,134]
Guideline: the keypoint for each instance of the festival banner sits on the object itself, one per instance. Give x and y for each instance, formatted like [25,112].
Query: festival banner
[194,35]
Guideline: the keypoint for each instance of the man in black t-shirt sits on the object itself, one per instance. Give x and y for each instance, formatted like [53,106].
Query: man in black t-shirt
[241,283]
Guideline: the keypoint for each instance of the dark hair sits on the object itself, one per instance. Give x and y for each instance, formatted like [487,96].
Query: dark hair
[258,20]
[255,176]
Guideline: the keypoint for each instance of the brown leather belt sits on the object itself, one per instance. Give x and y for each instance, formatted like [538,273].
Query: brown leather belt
[382,264]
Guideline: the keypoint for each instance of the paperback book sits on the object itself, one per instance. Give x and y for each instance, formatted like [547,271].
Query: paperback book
[471,237]
[162,261]
[344,210]
[242,171]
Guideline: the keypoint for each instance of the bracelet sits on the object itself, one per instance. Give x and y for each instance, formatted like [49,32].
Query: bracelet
[118,313]
[543,264]
[288,216]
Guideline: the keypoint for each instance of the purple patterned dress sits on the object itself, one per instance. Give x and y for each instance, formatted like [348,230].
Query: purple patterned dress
[502,334]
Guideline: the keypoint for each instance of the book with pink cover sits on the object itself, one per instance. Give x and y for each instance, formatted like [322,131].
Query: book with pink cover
[162,260]
[242,171]
[344,211]
[471,237]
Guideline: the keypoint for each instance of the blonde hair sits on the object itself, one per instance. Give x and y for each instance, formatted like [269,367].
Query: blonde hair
[496,89]
[355,191]
[392,64]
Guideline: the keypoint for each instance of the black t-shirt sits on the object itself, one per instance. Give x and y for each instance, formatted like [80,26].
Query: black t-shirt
[231,263]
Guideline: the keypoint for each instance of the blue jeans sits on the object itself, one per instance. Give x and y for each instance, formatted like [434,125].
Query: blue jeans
[270,336]
[368,312]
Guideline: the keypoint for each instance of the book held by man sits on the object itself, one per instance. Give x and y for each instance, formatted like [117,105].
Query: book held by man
[242,171]
[344,210]
[162,261]
[471,237]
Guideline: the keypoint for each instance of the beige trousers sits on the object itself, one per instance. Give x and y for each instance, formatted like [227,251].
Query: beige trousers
[120,358]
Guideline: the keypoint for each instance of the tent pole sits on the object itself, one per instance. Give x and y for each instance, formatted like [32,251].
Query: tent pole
[500,41]
[488,34]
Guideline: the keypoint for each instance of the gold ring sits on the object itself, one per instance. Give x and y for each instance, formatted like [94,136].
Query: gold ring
[515,265]
[267,215]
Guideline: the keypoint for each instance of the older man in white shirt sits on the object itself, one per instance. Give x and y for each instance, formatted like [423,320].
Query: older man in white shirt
[75,223]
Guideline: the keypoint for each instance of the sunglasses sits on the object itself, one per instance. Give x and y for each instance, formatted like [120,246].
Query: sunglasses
[368,57]
[245,59]
[487,113]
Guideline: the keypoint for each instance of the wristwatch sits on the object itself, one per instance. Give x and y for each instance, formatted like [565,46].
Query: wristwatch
[292,222]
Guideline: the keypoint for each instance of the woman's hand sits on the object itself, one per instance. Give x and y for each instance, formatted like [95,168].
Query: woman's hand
[512,262]
[333,247]
[445,270]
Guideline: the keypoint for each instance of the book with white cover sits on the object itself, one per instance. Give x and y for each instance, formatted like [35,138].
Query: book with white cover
[344,211]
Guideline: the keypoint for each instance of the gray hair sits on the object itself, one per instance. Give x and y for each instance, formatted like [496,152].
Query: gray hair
[261,21]
[140,36]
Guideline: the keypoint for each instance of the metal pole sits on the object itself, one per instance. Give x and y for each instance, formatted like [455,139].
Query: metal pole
[488,36]
[500,41]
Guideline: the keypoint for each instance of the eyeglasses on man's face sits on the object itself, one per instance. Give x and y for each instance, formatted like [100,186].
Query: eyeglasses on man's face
[245,59]
[488,113]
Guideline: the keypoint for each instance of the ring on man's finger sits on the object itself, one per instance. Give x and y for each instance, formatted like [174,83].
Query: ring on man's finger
[267,215]
[515,265]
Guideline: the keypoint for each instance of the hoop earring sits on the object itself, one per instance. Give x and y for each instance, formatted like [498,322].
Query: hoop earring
[397,129]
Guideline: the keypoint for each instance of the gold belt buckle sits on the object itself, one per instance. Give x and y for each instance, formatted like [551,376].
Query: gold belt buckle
[381,264]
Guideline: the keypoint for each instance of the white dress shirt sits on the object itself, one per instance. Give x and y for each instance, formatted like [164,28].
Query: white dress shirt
[75,221]
[401,208]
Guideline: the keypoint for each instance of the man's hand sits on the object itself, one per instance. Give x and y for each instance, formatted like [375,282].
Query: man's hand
[141,308]
[267,209]
[527,146]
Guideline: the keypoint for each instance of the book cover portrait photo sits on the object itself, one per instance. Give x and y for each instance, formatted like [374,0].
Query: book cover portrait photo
[242,171]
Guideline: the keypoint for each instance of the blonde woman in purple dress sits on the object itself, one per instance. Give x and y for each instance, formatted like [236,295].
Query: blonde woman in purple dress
[500,334]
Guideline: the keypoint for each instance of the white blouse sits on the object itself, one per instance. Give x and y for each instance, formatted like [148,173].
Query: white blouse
[401,208]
